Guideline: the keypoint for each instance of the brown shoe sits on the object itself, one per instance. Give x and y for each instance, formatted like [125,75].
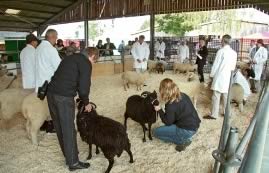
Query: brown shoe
[209,117]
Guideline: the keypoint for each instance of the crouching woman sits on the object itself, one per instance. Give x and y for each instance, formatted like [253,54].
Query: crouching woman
[180,117]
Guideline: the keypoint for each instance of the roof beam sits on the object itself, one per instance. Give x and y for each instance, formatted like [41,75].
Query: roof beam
[15,29]
[45,3]
[70,7]
[10,18]
[19,18]
[30,7]
[26,9]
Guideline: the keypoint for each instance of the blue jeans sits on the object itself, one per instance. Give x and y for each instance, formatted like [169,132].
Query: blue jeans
[173,134]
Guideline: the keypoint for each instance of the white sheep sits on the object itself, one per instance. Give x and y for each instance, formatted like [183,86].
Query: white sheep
[191,76]
[237,94]
[3,70]
[192,89]
[36,112]
[131,77]
[10,102]
[152,65]
[10,82]
[184,68]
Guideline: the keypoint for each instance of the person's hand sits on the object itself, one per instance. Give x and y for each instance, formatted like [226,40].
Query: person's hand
[139,61]
[160,51]
[254,62]
[157,108]
[144,59]
[88,108]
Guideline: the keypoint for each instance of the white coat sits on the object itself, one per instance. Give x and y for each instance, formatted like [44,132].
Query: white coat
[260,58]
[183,52]
[140,51]
[160,48]
[28,60]
[223,65]
[47,62]
[241,80]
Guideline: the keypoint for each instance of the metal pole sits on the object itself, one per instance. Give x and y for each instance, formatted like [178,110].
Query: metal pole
[225,126]
[253,159]
[230,150]
[152,30]
[86,23]
[249,131]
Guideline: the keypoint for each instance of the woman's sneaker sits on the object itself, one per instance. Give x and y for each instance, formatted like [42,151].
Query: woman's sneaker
[182,147]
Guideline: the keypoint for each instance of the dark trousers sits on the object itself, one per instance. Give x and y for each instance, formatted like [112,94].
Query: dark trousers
[201,72]
[62,110]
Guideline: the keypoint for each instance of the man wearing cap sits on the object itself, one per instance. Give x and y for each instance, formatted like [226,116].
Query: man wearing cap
[27,58]
[258,62]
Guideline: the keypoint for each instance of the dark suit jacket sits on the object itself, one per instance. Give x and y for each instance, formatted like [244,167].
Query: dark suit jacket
[111,46]
[203,52]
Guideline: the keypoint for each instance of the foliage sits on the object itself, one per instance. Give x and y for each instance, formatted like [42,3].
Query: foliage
[94,30]
[174,24]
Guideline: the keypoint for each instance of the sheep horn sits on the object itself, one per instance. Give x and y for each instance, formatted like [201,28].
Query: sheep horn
[94,105]
[145,94]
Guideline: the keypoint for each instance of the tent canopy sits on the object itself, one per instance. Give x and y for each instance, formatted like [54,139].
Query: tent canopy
[263,35]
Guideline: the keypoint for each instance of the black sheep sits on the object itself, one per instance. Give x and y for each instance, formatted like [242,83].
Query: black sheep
[141,109]
[105,133]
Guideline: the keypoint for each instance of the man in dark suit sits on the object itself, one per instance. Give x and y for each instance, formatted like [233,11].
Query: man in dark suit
[201,58]
[72,76]
[109,47]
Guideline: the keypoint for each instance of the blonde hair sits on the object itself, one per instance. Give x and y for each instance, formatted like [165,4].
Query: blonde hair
[169,91]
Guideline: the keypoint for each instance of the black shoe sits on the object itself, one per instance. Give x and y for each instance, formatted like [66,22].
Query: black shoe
[144,85]
[182,147]
[244,102]
[79,165]
[209,117]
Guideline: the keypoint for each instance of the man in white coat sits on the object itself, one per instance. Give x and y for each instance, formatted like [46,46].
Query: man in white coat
[258,62]
[28,60]
[47,58]
[159,49]
[183,52]
[140,52]
[223,65]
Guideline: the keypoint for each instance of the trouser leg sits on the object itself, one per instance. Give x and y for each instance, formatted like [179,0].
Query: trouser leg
[258,85]
[215,104]
[56,121]
[252,84]
[224,96]
[66,108]
[201,72]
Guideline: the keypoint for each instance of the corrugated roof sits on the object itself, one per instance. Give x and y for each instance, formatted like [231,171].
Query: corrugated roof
[36,13]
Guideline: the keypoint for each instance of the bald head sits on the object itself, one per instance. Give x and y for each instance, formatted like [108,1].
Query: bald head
[51,36]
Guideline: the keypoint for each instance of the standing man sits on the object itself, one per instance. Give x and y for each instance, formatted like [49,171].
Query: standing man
[109,47]
[159,49]
[252,49]
[47,58]
[224,64]
[201,58]
[258,61]
[28,61]
[140,52]
[72,76]
[183,52]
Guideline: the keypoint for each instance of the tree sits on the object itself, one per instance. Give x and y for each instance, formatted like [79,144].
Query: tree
[145,25]
[175,24]
[94,30]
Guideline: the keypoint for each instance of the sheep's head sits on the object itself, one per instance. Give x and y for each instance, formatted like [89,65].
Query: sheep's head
[151,97]
[81,107]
